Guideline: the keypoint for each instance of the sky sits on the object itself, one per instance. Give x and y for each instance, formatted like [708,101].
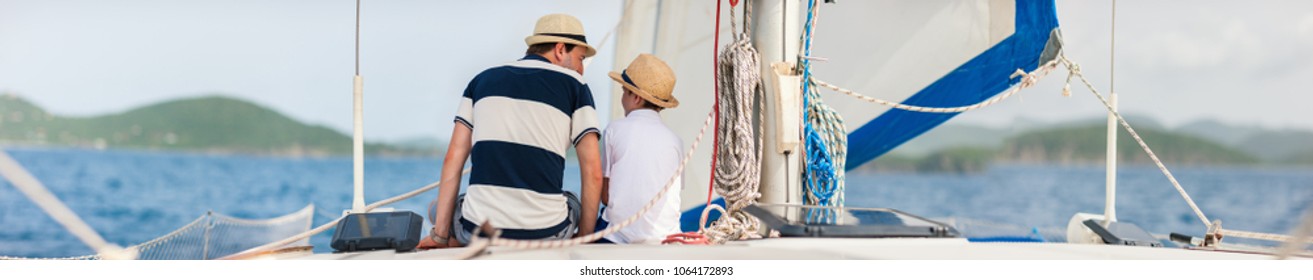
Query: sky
[1241,62]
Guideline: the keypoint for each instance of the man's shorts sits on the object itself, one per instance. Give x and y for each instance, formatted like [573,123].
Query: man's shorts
[462,230]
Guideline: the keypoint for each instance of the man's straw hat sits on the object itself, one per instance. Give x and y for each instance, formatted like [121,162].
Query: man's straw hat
[651,79]
[560,28]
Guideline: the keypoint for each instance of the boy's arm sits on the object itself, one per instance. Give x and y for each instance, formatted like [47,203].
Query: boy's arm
[590,172]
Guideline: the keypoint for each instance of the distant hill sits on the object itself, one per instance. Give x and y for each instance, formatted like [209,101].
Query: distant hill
[1270,145]
[1224,133]
[1279,146]
[208,124]
[954,135]
[1301,158]
[1086,144]
[960,148]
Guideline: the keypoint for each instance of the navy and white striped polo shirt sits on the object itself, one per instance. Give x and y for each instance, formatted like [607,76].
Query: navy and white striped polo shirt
[524,116]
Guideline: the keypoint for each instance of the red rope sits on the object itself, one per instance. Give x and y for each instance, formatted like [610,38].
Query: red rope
[715,70]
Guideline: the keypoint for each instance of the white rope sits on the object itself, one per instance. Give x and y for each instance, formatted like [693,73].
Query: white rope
[738,149]
[1264,236]
[1028,80]
[35,191]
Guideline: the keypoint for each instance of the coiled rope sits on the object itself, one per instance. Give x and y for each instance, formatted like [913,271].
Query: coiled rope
[826,140]
[738,148]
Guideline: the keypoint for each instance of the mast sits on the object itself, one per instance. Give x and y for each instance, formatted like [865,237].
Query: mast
[1110,202]
[775,31]
[358,135]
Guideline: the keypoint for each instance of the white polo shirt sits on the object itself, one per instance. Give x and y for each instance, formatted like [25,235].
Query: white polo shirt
[640,156]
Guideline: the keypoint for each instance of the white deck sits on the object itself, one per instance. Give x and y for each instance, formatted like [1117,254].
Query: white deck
[819,249]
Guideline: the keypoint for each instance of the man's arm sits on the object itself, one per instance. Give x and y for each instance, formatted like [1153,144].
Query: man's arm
[457,152]
[590,173]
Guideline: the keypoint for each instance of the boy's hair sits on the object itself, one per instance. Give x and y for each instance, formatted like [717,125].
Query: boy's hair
[646,104]
[654,107]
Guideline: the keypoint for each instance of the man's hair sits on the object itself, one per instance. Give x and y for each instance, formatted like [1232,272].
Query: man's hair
[541,48]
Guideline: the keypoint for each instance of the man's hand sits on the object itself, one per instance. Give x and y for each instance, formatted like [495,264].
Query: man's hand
[431,242]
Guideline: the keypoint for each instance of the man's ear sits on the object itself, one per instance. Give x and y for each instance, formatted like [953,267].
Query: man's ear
[560,50]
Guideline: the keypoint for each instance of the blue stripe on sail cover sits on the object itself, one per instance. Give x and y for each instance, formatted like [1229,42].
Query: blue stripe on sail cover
[979,79]
[518,166]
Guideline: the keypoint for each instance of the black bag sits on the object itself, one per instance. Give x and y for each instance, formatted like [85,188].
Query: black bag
[378,230]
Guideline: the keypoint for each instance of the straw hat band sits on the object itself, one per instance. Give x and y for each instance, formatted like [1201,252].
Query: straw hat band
[581,38]
[624,74]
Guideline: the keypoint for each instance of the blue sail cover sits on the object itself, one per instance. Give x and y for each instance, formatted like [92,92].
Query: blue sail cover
[979,79]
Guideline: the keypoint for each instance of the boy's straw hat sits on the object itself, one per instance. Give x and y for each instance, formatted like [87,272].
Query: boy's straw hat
[651,79]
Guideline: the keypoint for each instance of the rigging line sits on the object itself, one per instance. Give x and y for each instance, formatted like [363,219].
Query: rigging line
[1075,70]
[358,37]
[48,202]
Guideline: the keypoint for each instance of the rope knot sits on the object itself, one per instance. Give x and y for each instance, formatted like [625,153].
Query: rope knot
[1027,79]
[1072,70]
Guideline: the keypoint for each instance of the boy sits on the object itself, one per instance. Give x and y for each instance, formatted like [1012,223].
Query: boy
[640,154]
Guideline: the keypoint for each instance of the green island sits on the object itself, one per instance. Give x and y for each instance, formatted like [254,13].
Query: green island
[210,124]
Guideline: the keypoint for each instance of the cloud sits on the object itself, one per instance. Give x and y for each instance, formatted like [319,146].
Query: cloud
[1305,29]
[1232,43]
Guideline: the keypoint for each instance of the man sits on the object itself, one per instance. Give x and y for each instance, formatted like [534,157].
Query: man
[515,123]
[641,154]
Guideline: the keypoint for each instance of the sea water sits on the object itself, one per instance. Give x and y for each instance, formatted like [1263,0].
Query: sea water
[131,197]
